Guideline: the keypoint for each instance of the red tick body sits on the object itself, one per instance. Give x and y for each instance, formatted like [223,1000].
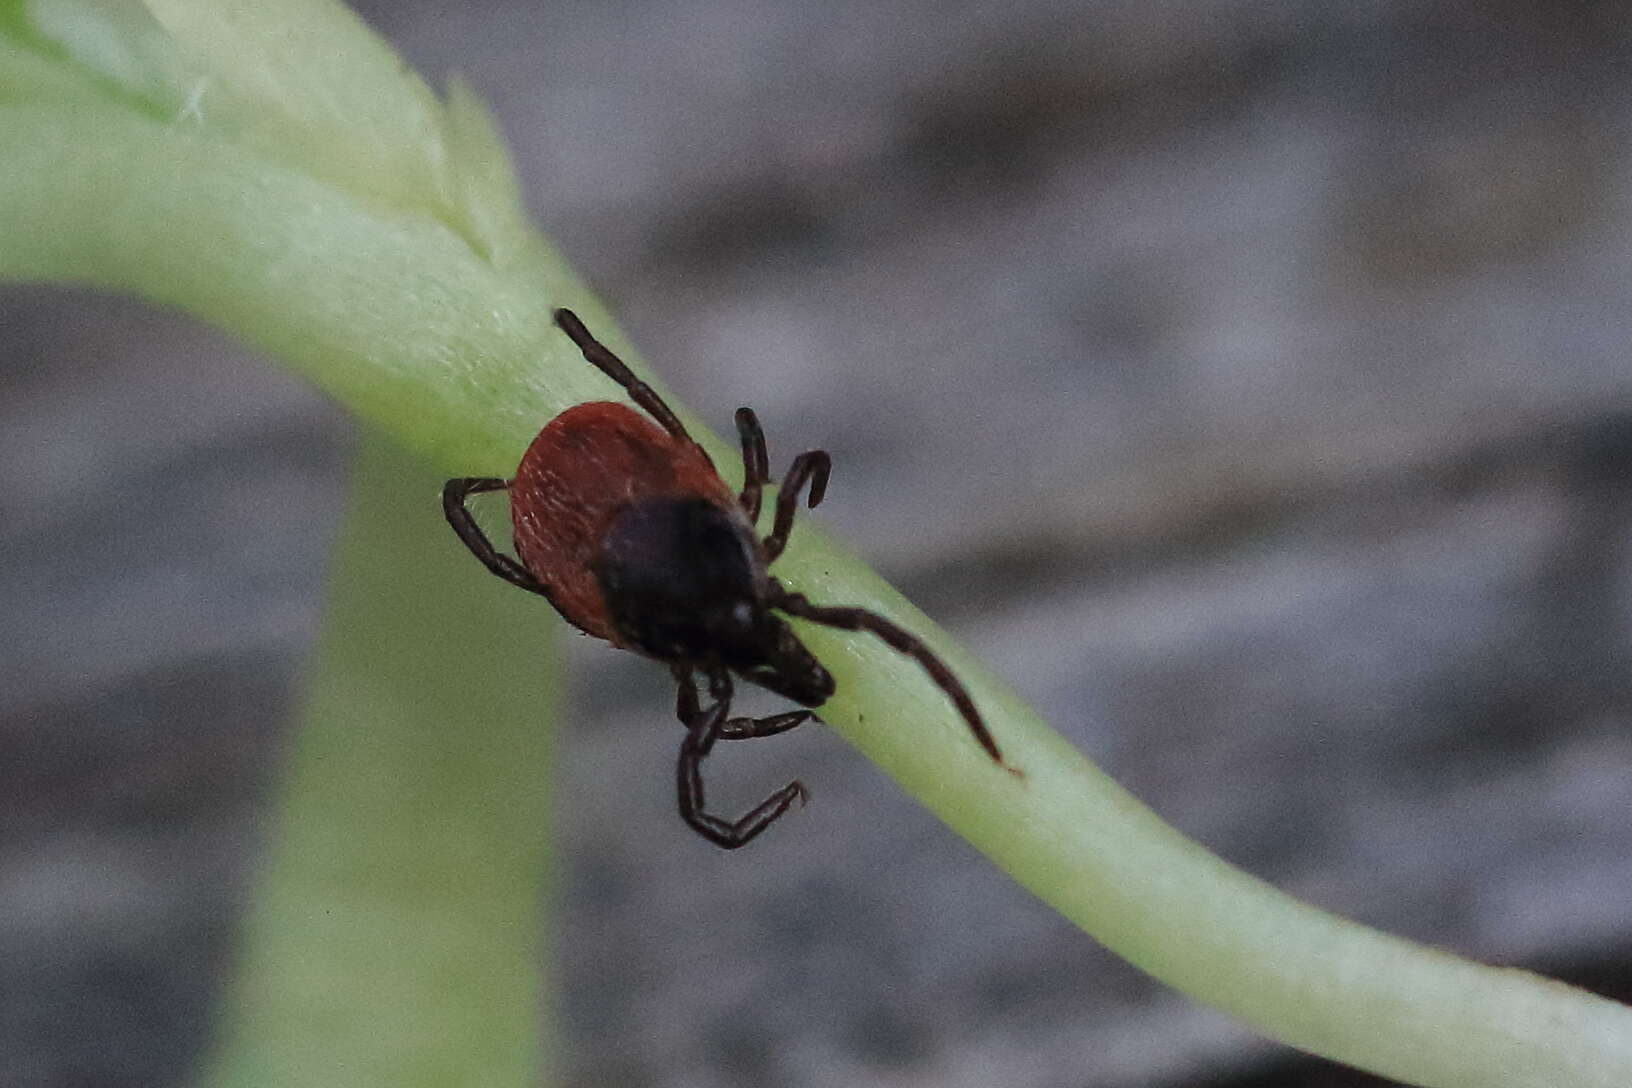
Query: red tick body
[625,526]
[588,463]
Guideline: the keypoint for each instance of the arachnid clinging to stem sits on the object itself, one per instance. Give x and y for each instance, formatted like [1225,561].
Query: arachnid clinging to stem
[628,530]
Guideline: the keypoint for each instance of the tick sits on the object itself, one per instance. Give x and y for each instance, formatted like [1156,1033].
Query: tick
[626,527]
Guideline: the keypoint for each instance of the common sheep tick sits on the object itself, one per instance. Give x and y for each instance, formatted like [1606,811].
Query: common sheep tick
[629,531]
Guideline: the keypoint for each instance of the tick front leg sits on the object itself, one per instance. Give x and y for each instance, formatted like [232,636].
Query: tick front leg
[722,833]
[688,709]
[454,494]
[749,728]
[704,729]
[859,619]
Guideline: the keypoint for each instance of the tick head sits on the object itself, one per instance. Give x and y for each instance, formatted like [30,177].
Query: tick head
[786,667]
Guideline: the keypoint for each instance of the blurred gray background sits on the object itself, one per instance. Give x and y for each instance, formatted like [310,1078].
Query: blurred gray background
[1247,382]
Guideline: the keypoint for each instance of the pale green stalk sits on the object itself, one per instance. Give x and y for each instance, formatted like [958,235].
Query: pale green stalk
[272,169]
[396,937]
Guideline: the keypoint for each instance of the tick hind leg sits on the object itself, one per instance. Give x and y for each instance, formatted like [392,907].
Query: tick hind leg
[703,728]
[454,494]
[602,358]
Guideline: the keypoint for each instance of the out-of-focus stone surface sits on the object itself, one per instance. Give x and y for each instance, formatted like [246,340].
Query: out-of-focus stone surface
[1247,383]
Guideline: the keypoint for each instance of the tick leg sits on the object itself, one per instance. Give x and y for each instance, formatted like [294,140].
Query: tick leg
[812,467]
[859,619]
[701,733]
[749,728]
[454,494]
[689,710]
[756,465]
[601,357]
[723,833]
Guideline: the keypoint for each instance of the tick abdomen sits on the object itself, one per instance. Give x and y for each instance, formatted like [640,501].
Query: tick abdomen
[586,466]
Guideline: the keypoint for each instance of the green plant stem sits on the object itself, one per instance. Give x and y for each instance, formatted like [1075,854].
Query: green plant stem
[395,940]
[420,314]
